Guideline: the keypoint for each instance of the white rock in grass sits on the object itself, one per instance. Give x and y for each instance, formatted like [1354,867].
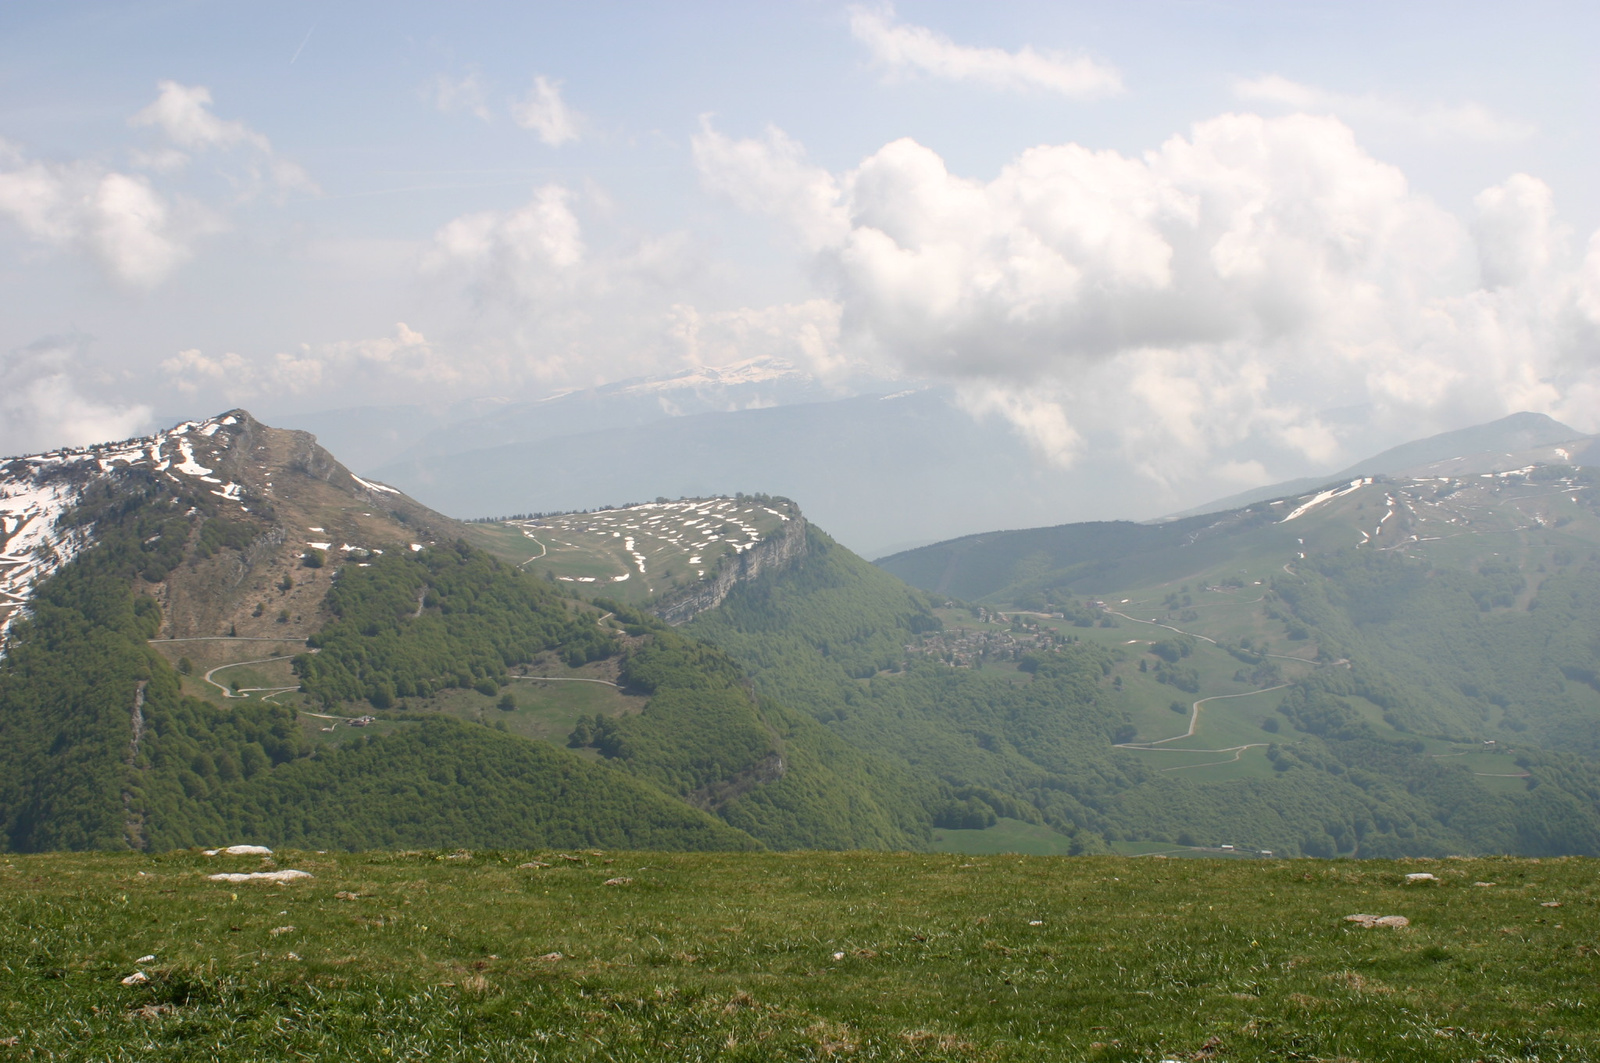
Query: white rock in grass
[1417,878]
[240,850]
[146,959]
[136,978]
[260,876]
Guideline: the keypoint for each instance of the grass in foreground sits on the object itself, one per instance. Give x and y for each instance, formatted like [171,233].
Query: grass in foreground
[633,956]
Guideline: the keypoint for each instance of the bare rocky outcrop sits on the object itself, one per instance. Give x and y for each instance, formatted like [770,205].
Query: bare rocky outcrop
[780,550]
[1394,922]
[133,823]
[298,496]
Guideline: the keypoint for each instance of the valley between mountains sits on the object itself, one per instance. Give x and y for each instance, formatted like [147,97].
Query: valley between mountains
[220,632]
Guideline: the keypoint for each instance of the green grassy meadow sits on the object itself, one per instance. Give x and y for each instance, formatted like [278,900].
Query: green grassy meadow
[649,956]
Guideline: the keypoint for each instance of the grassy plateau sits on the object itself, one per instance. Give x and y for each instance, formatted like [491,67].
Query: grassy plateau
[651,956]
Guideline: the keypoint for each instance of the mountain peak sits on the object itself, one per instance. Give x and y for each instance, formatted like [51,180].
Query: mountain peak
[272,495]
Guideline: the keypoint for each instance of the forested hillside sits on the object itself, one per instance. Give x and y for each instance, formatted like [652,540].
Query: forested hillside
[1422,653]
[101,749]
[1048,730]
[765,767]
[106,746]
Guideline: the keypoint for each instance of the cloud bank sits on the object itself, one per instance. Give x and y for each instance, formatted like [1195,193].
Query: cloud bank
[42,406]
[1216,295]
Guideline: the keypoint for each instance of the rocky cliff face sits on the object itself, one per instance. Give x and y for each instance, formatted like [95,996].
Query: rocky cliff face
[777,552]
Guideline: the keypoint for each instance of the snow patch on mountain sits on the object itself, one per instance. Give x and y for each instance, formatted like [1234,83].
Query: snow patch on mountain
[38,490]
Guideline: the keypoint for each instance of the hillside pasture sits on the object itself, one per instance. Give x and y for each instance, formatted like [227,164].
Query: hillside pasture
[631,553]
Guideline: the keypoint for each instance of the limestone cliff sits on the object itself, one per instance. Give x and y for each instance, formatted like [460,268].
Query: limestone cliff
[778,551]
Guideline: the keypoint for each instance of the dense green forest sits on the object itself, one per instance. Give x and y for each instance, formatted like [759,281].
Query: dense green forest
[831,633]
[409,625]
[1453,657]
[762,766]
[77,675]
[443,784]
[707,764]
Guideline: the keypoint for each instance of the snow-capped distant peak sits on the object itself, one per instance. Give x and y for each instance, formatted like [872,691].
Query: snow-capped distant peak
[753,371]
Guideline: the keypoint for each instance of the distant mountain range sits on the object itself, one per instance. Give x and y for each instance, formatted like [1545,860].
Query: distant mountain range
[1509,443]
[220,633]
[872,460]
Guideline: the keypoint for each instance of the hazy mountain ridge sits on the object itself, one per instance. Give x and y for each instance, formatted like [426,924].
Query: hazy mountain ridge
[1515,441]
[1430,627]
[379,436]
[873,469]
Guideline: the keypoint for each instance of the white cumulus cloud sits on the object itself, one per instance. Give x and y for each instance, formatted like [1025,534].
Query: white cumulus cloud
[772,176]
[531,252]
[136,234]
[1204,299]
[546,113]
[42,405]
[134,225]
[182,114]
[1516,230]
[904,49]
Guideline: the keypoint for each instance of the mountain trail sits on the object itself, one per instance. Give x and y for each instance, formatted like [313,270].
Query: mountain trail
[1194,722]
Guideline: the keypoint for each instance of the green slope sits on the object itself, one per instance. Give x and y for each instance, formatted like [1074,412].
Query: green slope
[1053,722]
[1251,679]
[762,766]
[446,784]
[1093,556]
[683,754]
[99,748]
[1436,637]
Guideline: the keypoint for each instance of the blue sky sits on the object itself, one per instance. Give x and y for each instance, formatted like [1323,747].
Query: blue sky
[1238,240]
